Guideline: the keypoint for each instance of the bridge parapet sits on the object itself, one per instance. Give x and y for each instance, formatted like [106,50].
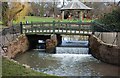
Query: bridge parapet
[74,28]
[66,28]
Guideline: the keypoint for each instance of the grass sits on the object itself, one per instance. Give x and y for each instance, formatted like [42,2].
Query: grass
[39,19]
[49,19]
[45,19]
[10,68]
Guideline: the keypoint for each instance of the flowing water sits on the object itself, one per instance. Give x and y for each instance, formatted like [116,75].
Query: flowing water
[68,61]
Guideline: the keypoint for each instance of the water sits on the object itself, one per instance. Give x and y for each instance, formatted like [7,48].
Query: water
[67,64]
[74,43]
[73,47]
[71,50]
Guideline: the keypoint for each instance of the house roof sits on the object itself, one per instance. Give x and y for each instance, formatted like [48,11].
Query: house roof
[75,5]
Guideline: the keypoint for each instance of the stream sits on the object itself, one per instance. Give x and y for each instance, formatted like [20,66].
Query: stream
[68,61]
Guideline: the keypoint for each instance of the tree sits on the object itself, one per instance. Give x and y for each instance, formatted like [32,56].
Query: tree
[41,8]
[13,11]
[4,12]
[20,16]
[112,19]
[35,9]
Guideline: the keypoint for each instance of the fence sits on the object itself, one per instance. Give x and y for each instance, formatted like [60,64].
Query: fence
[57,27]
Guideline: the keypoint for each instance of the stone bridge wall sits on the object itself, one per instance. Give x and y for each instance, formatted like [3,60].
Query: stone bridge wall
[105,52]
[20,45]
[51,44]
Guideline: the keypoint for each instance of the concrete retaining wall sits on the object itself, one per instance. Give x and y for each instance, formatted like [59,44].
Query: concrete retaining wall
[105,52]
[20,45]
[107,37]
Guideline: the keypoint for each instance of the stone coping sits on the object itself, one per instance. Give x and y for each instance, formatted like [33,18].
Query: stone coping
[102,42]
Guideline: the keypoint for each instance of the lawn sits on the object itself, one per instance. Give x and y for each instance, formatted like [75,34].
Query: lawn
[10,68]
[50,19]
[46,19]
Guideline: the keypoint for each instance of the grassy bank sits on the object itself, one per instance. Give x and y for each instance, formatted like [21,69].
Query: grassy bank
[10,68]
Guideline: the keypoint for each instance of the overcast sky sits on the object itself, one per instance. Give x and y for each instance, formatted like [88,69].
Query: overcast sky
[61,0]
[81,0]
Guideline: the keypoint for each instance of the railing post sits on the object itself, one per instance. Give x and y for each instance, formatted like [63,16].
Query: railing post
[79,26]
[93,29]
[59,26]
[70,28]
[53,27]
[32,27]
[42,27]
[66,27]
[21,28]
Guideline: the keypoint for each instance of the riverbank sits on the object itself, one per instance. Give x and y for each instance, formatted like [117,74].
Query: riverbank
[10,68]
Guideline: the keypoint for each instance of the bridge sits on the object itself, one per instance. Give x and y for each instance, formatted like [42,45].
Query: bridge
[64,28]
[43,30]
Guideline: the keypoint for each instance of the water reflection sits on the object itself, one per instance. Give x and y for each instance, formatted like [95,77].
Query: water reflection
[67,64]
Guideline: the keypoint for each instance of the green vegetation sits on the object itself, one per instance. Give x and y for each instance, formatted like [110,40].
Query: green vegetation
[112,20]
[46,19]
[10,68]
[49,19]
[38,19]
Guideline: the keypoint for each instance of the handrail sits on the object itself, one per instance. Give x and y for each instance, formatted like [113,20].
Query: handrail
[56,27]
[84,23]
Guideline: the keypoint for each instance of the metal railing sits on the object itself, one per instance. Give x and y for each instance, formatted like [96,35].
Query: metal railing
[57,28]
[79,28]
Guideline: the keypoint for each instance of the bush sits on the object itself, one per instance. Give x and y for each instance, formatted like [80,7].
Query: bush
[112,20]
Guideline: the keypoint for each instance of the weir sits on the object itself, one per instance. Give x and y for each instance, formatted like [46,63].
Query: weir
[42,42]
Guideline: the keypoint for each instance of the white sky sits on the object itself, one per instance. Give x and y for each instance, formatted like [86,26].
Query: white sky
[76,0]
[59,0]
